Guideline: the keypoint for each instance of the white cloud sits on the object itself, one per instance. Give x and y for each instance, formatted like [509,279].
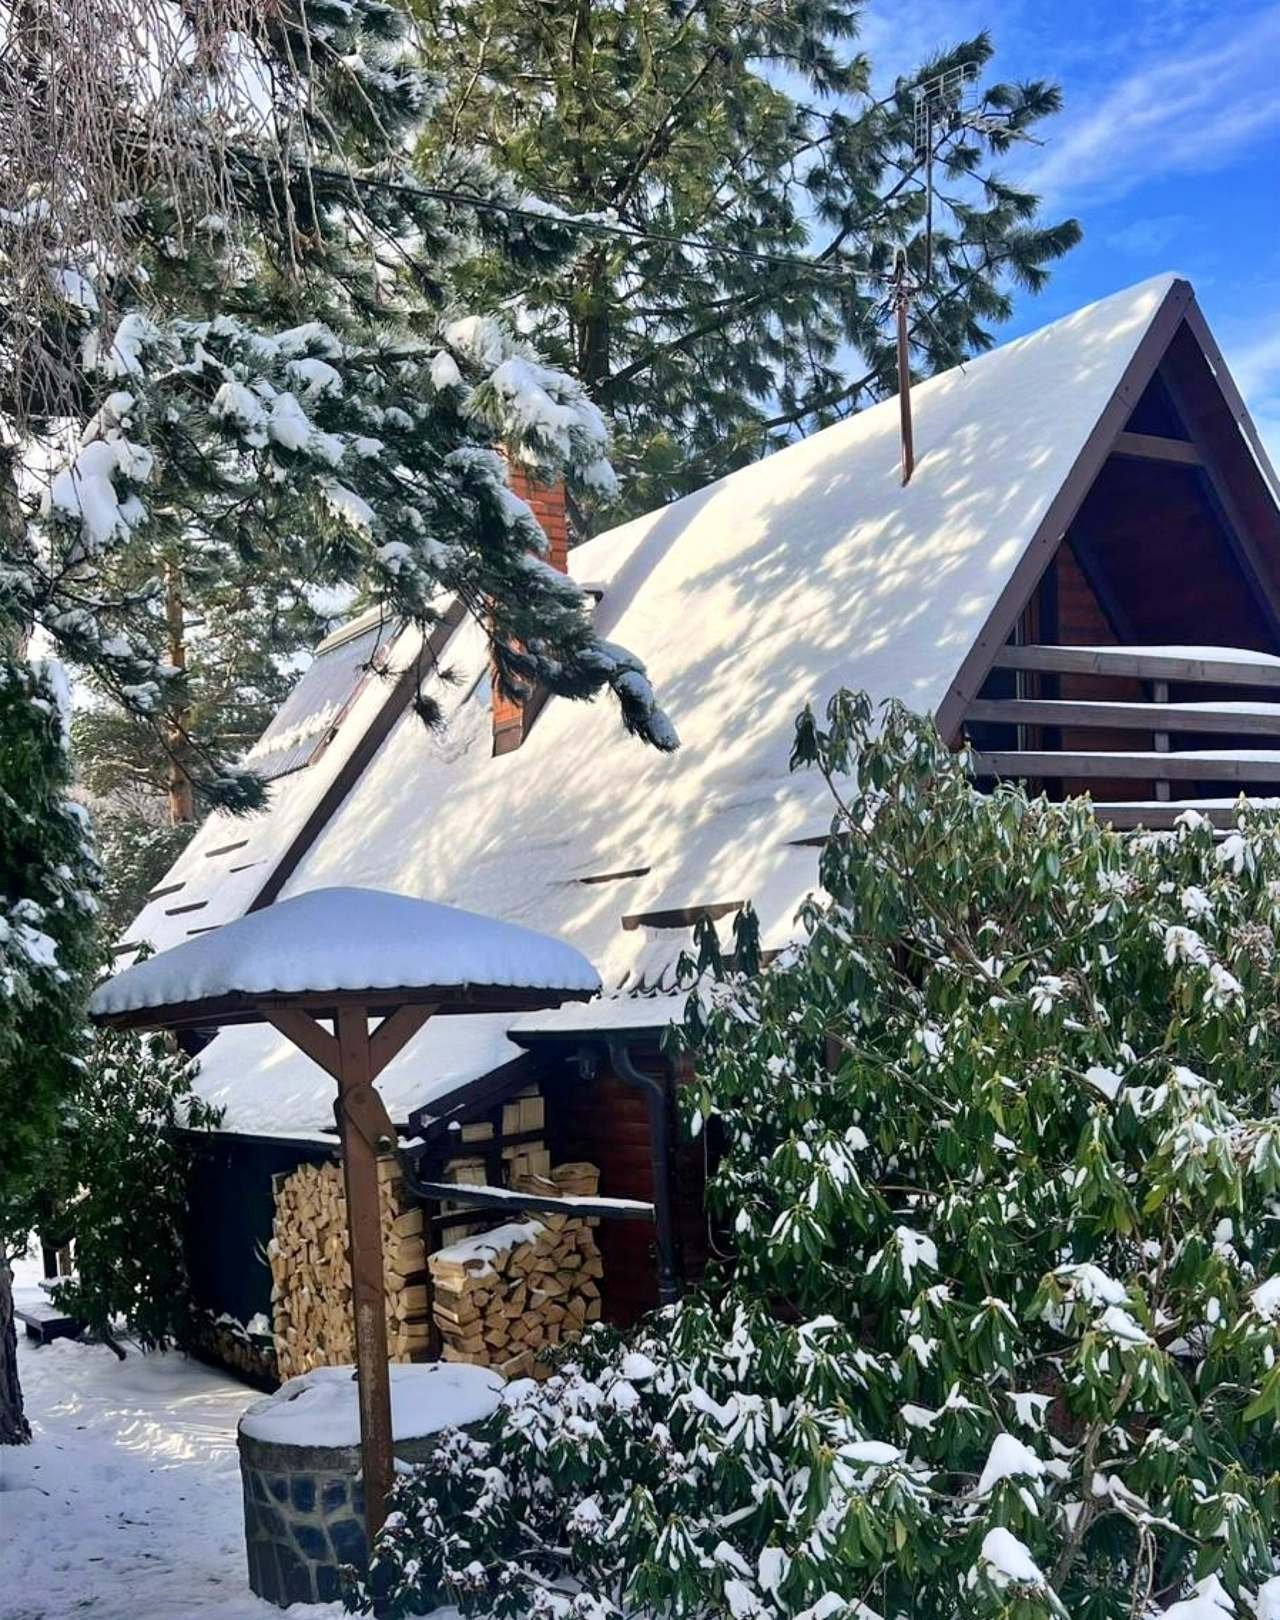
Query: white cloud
[1181,113]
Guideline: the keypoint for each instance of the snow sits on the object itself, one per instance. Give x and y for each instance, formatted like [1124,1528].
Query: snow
[505,1195]
[322,1408]
[478,1251]
[1205,655]
[1266,1299]
[127,1505]
[347,939]
[1008,1561]
[602,1015]
[1008,1459]
[791,577]
[86,490]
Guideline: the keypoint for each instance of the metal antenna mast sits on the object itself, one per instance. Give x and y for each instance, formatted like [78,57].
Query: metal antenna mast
[939,104]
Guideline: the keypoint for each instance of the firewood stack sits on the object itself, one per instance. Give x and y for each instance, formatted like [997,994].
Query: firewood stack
[311,1275]
[502,1295]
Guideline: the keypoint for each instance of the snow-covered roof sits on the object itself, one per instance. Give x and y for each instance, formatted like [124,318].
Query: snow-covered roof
[605,1015]
[808,571]
[224,867]
[347,939]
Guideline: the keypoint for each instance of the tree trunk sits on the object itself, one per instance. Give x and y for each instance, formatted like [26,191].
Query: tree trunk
[182,802]
[14,1430]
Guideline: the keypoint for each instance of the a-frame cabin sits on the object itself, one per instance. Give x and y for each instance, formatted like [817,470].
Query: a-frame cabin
[1082,577]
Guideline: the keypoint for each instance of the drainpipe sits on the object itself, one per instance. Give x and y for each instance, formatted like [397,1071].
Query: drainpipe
[659,1144]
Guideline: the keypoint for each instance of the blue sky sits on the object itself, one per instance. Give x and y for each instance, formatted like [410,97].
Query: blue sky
[1168,150]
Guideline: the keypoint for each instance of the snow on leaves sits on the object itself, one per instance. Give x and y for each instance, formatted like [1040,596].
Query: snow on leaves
[999,1334]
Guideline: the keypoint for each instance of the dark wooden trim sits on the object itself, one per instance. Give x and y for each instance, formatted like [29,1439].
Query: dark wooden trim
[1217,496]
[1116,716]
[592,1035]
[1139,663]
[1152,447]
[435,1116]
[1162,817]
[238,1008]
[398,700]
[1095,576]
[1062,509]
[212,1140]
[1129,767]
[1216,480]
[683,916]
[1199,329]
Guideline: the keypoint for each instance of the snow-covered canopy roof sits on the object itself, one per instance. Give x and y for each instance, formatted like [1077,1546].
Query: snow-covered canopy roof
[808,571]
[345,940]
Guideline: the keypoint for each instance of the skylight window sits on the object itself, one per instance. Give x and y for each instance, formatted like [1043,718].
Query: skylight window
[312,712]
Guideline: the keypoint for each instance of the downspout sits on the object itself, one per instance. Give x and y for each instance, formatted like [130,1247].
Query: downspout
[659,1154]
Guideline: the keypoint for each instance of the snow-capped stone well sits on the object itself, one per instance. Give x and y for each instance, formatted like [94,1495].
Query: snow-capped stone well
[300,1467]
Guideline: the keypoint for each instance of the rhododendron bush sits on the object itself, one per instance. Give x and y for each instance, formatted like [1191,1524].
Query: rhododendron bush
[999,1171]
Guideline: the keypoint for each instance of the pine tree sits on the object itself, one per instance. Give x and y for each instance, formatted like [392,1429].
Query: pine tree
[1000,1333]
[270,392]
[745,126]
[47,948]
[281,393]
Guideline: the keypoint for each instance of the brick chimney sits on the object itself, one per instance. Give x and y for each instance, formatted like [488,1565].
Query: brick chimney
[511,721]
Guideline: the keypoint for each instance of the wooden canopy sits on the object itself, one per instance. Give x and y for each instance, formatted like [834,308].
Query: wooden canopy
[297,965]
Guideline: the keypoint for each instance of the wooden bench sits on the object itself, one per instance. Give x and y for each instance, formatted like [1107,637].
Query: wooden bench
[44,1323]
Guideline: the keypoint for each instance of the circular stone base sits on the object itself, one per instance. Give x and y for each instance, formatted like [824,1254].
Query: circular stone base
[304,1504]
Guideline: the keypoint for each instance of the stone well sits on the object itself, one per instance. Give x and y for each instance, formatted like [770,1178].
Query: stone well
[300,1467]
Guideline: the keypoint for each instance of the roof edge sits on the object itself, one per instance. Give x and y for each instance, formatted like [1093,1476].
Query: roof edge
[1172,310]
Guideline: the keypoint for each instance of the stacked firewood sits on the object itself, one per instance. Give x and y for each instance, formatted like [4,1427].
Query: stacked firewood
[311,1274]
[500,1296]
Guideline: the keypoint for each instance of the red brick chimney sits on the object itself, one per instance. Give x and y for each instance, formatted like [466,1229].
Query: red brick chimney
[511,721]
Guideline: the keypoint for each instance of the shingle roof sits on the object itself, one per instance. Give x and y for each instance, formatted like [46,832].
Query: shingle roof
[807,571]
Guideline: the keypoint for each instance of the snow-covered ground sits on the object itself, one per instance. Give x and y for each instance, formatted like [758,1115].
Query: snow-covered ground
[126,1506]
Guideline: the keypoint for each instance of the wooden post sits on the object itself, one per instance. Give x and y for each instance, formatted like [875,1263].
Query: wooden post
[364,1229]
[902,307]
[1160,694]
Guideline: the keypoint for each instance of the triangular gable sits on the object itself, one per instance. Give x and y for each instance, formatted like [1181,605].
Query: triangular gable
[1175,403]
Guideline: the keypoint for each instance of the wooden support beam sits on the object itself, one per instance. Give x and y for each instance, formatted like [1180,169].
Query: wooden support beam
[1153,447]
[1188,767]
[364,1241]
[394,1032]
[1110,716]
[308,1035]
[1228,667]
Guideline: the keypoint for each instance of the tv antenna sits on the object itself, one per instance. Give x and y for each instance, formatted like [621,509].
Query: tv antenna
[939,107]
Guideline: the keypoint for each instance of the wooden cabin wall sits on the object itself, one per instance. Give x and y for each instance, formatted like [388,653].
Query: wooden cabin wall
[606,1122]
[230,1207]
[1082,621]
